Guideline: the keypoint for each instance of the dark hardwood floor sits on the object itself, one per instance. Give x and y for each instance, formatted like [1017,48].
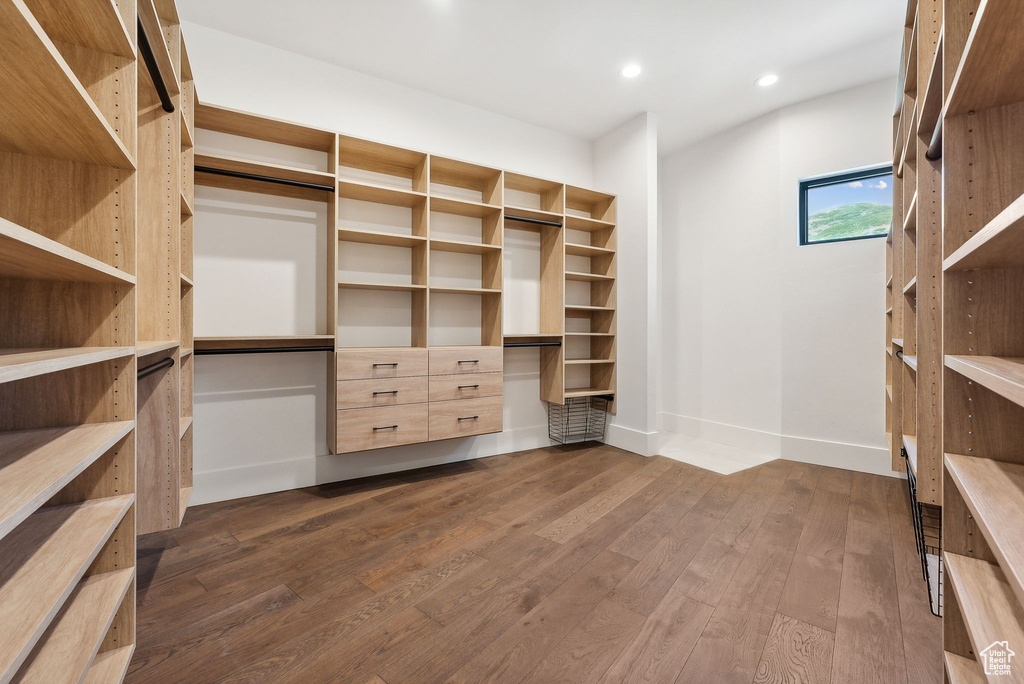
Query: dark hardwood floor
[584,564]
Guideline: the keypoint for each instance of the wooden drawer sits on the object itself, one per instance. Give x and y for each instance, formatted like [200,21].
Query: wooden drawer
[465,417]
[376,428]
[456,360]
[353,394]
[451,387]
[360,364]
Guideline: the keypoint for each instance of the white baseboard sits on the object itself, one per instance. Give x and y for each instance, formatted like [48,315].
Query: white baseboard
[861,458]
[276,476]
[635,441]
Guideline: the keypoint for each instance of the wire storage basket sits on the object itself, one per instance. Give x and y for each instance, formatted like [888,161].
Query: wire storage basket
[928,533]
[579,419]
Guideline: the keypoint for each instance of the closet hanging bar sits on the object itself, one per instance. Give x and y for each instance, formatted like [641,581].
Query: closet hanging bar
[264,350]
[266,179]
[539,222]
[154,367]
[146,52]
[533,344]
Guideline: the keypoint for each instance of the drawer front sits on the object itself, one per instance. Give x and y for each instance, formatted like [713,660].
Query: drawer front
[466,360]
[361,364]
[376,428]
[353,394]
[463,418]
[451,387]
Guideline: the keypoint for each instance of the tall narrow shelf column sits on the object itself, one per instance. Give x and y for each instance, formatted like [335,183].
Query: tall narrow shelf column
[981,128]
[68,282]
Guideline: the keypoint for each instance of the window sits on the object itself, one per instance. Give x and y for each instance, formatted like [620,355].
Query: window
[851,205]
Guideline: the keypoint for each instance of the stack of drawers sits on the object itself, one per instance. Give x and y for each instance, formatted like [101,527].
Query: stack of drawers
[390,397]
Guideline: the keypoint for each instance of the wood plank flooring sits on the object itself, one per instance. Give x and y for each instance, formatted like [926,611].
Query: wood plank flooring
[585,564]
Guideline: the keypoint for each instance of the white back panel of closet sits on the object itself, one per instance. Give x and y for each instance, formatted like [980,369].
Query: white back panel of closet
[521,276]
[260,264]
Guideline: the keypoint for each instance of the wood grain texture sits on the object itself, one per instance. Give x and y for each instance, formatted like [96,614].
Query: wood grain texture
[796,653]
[440,575]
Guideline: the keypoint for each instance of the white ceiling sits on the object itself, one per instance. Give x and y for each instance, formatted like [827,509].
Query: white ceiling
[555,63]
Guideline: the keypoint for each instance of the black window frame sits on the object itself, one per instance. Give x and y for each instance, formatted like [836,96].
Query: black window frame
[807,184]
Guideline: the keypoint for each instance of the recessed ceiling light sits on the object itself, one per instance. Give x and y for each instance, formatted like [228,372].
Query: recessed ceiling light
[767,80]
[630,71]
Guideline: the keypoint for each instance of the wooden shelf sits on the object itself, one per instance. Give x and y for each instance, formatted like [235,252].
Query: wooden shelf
[150,347]
[379,194]
[186,282]
[910,444]
[464,290]
[235,122]
[53,115]
[184,494]
[588,277]
[588,362]
[911,287]
[264,342]
[94,24]
[910,222]
[186,351]
[370,237]
[587,392]
[589,334]
[531,337]
[43,559]
[185,424]
[1000,518]
[186,207]
[238,165]
[463,247]
[525,212]
[68,646]
[574,311]
[962,670]
[187,139]
[27,254]
[586,224]
[888,312]
[888,283]
[575,249]
[1000,244]
[931,101]
[36,464]
[898,341]
[460,207]
[888,390]
[988,606]
[381,286]
[18,364]
[911,362]
[110,666]
[1004,376]
[989,71]
[910,66]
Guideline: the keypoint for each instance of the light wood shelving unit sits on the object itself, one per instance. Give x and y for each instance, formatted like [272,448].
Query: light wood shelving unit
[914,263]
[68,290]
[164,290]
[448,256]
[964,356]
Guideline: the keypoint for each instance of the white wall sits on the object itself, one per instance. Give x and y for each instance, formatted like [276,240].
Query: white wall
[260,420]
[626,163]
[767,345]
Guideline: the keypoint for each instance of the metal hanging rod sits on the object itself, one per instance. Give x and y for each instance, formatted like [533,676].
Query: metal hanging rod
[154,367]
[934,152]
[146,51]
[264,350]
[266,179]
[539,222]
[533,344]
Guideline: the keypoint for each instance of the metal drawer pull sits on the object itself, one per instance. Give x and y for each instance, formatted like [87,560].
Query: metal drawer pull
[462,387]
[471,361]
[468,418]
[393,365]
[386,427]
[395,392]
